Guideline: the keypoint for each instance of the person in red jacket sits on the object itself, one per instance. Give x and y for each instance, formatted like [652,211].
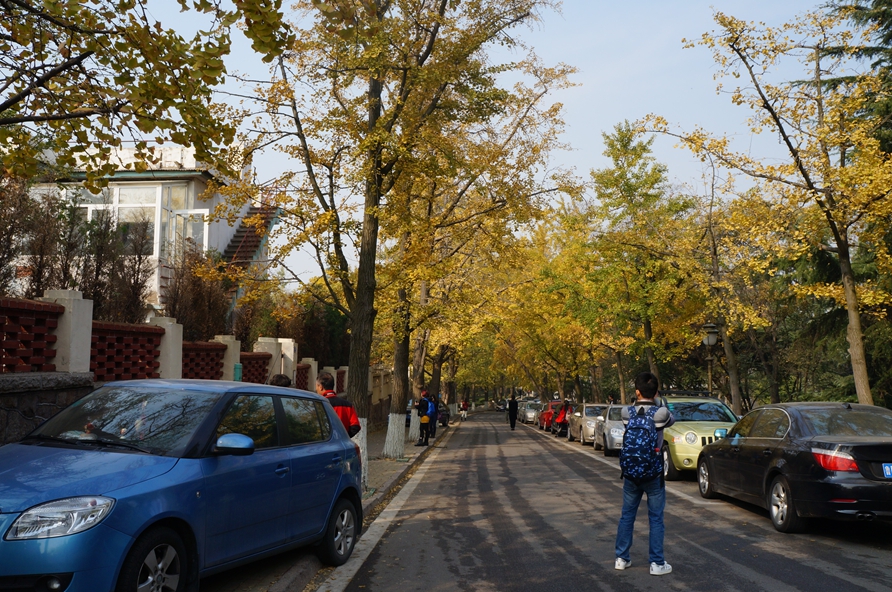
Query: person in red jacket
[325,386]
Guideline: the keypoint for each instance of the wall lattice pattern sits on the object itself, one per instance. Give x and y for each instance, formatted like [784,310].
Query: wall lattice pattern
[123,352]
[27,345]
[341,381]
[302,377]
[255,366]
[203,359]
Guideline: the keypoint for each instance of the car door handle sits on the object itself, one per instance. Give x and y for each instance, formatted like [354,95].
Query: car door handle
[767,452]
[282,471]
[336,460]
[735,450]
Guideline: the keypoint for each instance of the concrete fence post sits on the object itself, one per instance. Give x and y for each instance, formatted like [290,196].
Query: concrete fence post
[232,355]
[312,373]
[74,332]
[289,357]
[272,346]
[171,358]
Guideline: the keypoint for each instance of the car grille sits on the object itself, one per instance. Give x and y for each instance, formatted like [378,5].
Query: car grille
[704,440]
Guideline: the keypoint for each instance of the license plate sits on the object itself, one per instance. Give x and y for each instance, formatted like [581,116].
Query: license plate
[887,470]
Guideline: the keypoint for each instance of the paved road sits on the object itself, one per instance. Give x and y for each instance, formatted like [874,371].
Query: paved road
[501,510]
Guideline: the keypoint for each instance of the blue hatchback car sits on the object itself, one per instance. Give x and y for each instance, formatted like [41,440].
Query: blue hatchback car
[152,484]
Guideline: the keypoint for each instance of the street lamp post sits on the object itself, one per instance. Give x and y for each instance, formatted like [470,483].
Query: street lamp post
[709,340]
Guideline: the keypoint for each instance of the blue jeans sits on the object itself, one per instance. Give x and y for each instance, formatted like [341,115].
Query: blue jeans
[656,502]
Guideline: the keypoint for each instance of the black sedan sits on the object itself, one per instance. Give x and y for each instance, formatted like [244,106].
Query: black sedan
[801,460]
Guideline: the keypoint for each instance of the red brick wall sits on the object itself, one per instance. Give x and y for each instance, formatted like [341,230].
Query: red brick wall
[203,359]
[255,366]
[26,344]
[122,352]
[302,377]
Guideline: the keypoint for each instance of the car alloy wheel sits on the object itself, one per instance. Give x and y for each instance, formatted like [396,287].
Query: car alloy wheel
[582,436]
[156,563]
[781,506]
[340,536]
[706,489]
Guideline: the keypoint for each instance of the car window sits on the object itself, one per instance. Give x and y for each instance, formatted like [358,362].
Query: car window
[700,411]
[255,417]
[772,423]
[592,411]
[849,422]
[303,421]
[615,414]
[159,420]
[742,428]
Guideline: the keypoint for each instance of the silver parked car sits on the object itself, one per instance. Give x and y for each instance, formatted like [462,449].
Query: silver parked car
[528,411]
[582,422]
[609,433]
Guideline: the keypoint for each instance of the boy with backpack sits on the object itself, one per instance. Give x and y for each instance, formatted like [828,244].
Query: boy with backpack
[641,462]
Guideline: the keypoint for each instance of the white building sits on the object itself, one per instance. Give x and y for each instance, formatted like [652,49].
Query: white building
[171,198]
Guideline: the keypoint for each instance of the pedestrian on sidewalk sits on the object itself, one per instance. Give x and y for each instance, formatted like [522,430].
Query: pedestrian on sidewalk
[641,462]
[435,417]
[512,411]
[325,384]
[424,408]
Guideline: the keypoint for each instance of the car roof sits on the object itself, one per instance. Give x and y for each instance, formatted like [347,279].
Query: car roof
[215,386]
[691,399]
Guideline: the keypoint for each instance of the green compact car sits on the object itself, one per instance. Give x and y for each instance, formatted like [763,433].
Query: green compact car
[696,420]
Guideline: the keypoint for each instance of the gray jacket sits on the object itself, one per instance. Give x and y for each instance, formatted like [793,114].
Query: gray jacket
[663,418]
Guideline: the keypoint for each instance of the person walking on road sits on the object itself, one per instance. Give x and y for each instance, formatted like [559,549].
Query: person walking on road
[435,417]
[642,465]
[325,384]
[512,411]
[464,410]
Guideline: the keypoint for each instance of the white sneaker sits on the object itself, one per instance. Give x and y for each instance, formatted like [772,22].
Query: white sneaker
[657,569]
[622,563]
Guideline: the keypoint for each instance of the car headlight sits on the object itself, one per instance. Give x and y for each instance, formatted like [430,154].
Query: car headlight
[690,438]
[60,518]
[617,432]
[590,424]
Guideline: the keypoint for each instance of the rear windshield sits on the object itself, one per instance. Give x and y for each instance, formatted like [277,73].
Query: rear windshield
[697,411]
[849,422]
[615,414]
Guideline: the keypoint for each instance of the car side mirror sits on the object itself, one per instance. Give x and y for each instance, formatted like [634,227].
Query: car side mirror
[234,444]
[720,433]
[577,414]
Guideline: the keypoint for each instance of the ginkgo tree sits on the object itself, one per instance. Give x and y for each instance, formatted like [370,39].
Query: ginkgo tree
[835,172]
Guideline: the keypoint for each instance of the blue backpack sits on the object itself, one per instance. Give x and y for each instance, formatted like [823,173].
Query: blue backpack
[639,459]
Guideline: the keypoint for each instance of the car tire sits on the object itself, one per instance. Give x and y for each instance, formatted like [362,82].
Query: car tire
[607,451]
[340,535]
[582,436]
[782,508]
[595,443]
[704,481]
[669,470]
[159,555]
[570,437]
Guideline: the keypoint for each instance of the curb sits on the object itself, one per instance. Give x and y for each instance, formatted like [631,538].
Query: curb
[306,567]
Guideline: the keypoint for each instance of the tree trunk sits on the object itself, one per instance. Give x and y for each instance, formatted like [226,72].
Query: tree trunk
[648,350]
[733,372]
[395,444]
[596,384]
[417,380]
[451,394]
[437,371]
[854,334]
[622,377]
[578,383]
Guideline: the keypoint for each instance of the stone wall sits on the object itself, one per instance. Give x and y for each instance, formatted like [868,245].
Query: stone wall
[29,399]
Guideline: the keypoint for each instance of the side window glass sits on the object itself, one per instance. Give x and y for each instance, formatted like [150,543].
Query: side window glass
[772,423]
[742,428]
[255,417]
[323,419]
[301,420]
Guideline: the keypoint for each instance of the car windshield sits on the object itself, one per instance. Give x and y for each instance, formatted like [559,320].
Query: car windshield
[592,411]
[160,421]
[615,414]
[849,422]
[533,406]
[697,411]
